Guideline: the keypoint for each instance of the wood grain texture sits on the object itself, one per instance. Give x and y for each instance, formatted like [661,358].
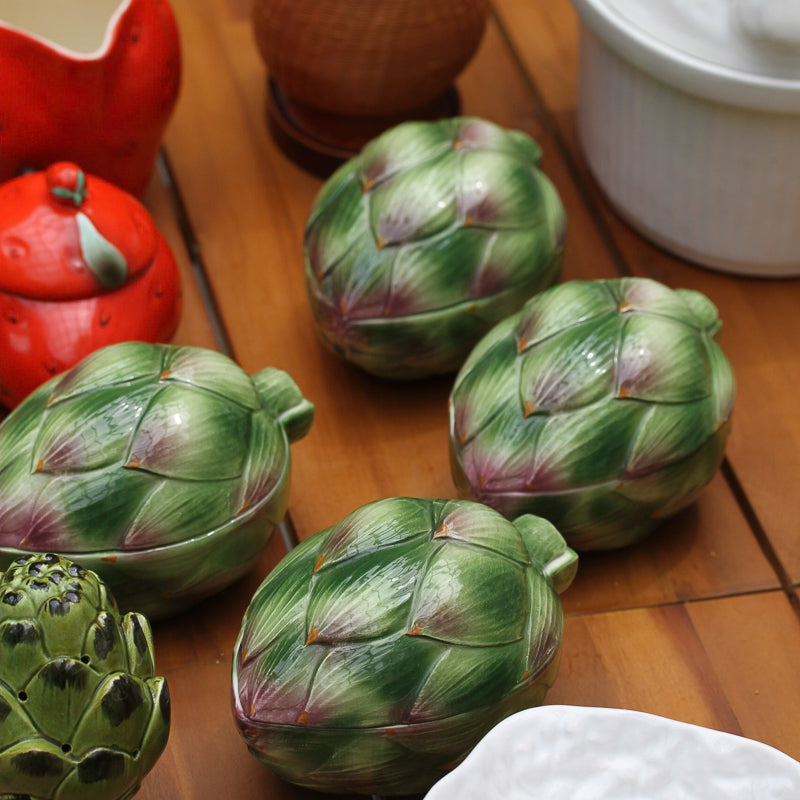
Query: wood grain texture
[694,623]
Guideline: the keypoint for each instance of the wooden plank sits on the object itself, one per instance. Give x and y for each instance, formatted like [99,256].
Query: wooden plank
[754,644]
[194,327]
[728,664]
[761,324]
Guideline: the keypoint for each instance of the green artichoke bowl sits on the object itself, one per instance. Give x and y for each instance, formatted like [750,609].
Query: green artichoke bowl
[380,650]
[82,716]
[164,469]
[603,406]
[418,245]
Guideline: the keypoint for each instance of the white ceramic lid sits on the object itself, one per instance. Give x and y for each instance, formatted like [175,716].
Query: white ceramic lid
[742,52]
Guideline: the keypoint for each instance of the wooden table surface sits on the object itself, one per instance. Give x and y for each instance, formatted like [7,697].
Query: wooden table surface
[699,623]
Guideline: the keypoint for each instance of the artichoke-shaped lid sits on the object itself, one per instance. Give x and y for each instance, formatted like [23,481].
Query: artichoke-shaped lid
[142,445]
[82,714]
[431,215]
[407,611]
[592,381]
[66,235]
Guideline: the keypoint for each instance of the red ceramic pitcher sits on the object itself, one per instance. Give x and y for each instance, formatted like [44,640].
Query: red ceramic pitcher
[82,265]
[89,81]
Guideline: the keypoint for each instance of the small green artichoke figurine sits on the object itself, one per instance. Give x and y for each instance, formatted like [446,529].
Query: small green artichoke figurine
[82,716]
[603,406]
[379,651]
[418,245]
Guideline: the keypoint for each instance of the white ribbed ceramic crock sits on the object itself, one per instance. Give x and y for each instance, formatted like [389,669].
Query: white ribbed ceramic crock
[689,117]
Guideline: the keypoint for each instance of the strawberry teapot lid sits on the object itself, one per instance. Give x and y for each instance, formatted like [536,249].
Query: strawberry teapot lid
[67,235]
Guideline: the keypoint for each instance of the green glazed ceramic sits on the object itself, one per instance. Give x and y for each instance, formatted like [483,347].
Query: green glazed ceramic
[382,649]
[603,406]
[83,717]
[418,245]
[164,469]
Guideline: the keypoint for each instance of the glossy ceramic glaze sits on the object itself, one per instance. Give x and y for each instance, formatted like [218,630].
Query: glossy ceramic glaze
[165,469]
[89,81]
[83,714]
[603,406]
[558,752]
[417,246]
[380,650]
[82,266]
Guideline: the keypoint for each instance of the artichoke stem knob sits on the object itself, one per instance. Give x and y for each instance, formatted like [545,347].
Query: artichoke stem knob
[548,550]
[278,392]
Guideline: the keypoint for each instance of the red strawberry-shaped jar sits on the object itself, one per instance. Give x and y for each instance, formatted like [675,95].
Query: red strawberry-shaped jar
[89,81]
[82,265]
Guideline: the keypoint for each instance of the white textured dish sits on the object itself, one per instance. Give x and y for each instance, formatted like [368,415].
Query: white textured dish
[690,122]
[580,753]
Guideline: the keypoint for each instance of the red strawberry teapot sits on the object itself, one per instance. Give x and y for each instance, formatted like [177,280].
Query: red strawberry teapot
[82,265]
[90,81]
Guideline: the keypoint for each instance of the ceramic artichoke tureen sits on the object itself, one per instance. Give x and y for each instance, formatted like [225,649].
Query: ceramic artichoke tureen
[380,650]
[417,246]
[164,469]
[83,717]
[603,406]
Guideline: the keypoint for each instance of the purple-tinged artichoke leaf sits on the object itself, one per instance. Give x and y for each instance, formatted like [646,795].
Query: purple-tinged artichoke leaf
[350,606]
[265,462]
[500,192]
[570,303]
[357,287]
[401,148]
[479,526]
[503,457]
[484,390]
[509,256]
[190,434]
[647,297]
[177,510]
[96,509]
[382,524]
[416,204]
[571,369]
[588,445]
[274,686]
[473,133]
[662,362]
[330,190]
[123,364]
[458,600]
[280,602]
[209,371]
[436,274]
[89,431]
[370,685]
[335,231]
[669,433]
[466,678]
